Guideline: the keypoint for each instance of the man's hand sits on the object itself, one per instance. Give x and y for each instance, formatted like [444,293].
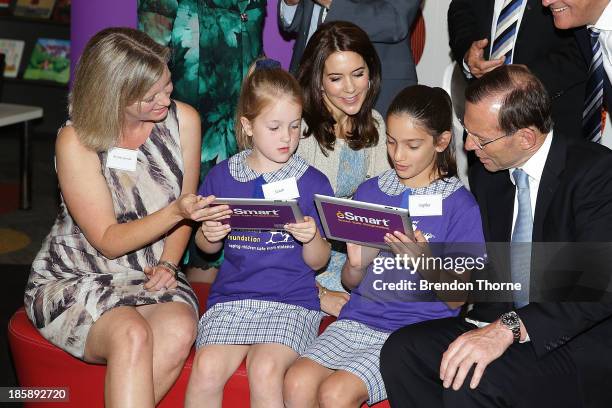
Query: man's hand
[474,58]
[479,346]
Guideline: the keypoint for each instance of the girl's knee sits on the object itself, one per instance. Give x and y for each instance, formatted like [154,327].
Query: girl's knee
[335,391]
[208,370]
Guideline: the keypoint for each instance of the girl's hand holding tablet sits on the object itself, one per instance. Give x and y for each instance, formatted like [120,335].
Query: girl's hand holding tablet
[303,231]
[401,244]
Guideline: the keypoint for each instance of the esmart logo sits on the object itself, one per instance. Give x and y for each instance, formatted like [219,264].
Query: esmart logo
[349,216]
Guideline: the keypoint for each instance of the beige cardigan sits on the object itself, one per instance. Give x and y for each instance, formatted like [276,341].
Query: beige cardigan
[376,156]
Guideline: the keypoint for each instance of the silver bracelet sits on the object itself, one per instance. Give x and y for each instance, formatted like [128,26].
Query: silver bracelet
[171,267]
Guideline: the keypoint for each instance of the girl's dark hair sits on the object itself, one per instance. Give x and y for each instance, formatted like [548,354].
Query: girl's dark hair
[431,109]
[330,38]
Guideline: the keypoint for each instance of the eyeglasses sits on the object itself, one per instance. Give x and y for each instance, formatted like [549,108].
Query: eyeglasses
[482,145]
[478,141]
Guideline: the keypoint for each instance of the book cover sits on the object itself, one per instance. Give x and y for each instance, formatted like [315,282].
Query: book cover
[34,8]
[62,11]
[12,50]
[50,60]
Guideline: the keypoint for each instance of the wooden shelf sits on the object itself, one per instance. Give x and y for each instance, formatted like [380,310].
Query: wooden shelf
[34,20]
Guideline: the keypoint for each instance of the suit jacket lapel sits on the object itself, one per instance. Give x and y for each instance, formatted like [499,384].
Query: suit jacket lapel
[500,207]
[555,164]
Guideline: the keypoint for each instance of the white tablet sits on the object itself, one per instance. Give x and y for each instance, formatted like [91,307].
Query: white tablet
[360,222]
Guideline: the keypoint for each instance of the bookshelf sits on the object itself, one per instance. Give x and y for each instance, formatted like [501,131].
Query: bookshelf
[51,96]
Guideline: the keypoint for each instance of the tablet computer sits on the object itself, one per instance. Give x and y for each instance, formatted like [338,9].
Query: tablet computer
[260,214]
[360,222]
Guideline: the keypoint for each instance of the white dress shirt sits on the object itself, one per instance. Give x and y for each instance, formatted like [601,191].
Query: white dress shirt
[534,167]
[499,4]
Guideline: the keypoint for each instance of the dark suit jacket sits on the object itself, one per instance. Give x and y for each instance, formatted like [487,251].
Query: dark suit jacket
[551,54]
[574,204]
[387,23]
[584,44]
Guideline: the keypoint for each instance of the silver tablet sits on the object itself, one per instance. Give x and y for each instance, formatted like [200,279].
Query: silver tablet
[260,214]
[360,222]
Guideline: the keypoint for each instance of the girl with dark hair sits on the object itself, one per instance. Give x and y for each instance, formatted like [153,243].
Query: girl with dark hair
[344,136]
[341,368]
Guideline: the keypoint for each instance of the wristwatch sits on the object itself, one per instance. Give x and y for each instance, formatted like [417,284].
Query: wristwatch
[511,321]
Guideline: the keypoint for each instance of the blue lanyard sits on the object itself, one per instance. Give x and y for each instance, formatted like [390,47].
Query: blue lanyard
[257,187]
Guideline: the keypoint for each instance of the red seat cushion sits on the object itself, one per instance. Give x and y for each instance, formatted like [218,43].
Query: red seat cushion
[41,364]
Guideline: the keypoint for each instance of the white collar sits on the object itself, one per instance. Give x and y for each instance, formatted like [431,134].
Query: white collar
[604,22]
[535,165]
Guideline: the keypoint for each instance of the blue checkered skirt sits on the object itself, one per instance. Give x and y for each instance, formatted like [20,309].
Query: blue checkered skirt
[354,347]
[252,321]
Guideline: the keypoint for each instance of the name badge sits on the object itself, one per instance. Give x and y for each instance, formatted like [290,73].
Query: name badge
[425,205]
[286,189]
[122,159]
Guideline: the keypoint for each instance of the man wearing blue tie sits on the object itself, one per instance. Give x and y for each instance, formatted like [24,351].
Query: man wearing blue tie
[485,34]
[525,348]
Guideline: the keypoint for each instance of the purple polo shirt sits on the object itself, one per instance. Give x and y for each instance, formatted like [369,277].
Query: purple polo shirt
[460,223]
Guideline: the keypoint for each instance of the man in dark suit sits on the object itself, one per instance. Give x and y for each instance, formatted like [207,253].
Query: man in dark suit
[597,15]
[387,23]
[552,55]
[532,186]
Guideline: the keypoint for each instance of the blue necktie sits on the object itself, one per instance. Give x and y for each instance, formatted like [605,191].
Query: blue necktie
[520,253]
[593,97]
[505,30]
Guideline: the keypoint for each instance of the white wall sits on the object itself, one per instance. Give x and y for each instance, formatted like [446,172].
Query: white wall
[436,55]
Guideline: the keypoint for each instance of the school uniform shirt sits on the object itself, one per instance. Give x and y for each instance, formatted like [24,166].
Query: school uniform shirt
[447,234]
[265,265]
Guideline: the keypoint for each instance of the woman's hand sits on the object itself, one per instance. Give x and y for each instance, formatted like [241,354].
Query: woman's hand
[159,277]
[303,231]
[402,245]
[197,208]
[332,302]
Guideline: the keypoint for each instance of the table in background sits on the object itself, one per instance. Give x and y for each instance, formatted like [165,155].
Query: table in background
[11,114]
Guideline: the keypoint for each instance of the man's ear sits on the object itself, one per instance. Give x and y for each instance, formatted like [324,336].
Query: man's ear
[246,126]
[443,141]
[527,138]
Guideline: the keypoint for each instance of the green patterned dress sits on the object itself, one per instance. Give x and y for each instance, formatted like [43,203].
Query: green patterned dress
[213,44]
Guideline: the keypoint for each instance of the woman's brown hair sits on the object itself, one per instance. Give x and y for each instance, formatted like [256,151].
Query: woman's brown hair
[330,38]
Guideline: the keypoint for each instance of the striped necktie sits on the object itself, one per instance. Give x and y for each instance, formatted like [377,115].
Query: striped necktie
[593,96]
[505,30]
[520,253]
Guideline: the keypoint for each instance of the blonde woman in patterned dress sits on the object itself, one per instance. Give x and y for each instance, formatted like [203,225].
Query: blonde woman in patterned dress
[105,286]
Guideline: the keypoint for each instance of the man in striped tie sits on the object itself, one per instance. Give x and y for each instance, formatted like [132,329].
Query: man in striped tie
[595,41]
[485,34]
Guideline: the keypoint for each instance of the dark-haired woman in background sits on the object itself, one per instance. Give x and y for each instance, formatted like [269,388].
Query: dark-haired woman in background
[344,136]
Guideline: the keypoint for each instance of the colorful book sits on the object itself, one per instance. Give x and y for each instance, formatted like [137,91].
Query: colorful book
[50,60]
[34,8]
[12,50]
